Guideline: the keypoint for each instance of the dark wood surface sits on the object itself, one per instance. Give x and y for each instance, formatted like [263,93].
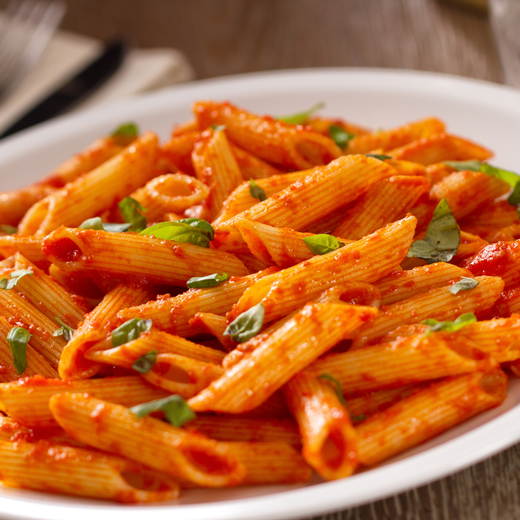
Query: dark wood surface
[222,37]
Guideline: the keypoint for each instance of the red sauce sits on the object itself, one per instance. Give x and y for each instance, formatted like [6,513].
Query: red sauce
[62,249]
[493,260]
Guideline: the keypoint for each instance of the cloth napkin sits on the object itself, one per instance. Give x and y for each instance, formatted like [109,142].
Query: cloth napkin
[142,70]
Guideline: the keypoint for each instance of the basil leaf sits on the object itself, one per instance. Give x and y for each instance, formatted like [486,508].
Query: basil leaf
[504,175]
[126,130]
[464,284]
[514,198]
[322,244]
[175,409]
[339,393]
[256,192]
[212,280]
[131,211]
[192,230]
[218,128]
[247,325]
[8,230]
[18,338]
[339,136]
[300,117]
[8,284]
[442,237]
[97,224]
[450,326]
[145,363]
[64,330]
[472,166]
[378,156]
[129,331]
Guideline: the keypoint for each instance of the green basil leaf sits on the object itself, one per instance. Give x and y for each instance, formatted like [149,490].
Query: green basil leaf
[256,192]
[189,230]
[247,325]
[97,224]
[472,166]
[18,338]
[464,284]
[8,230]
[64,330]
[175,409]
[322,244]
[211,280]
[378,156]
[129,331]
[126,130]
[504,175]
[514,198]
[15,277]
[218,128]
[145,363]
[339,393]
[450,326]
[201,225]
[442,237]
[340,136]
[300,117]
[131,210]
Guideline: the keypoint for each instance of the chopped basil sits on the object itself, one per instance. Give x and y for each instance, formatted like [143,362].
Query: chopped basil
[442,237]
[126,130]
[464,284]
[322,244]
[145,363]
[450,326]
[514,198]
[175,409]
[8,230]
[247,325]
[131,210]
[340,136]
[300,117]
[192,230]
[16,276]
[339,393]
[472,166]
[256,192]
[64,330]
[218,128]
[378,156]
[18,338]
[211,280]
[97,224]
[129,331]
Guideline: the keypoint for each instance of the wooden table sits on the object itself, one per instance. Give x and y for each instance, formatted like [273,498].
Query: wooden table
[222,37]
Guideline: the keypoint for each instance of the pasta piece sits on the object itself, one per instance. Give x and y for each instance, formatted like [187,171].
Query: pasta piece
[310,333]
[252,263]
[290,146]
[80,284]
[322,125]
[251,166]
[29,247]
[179,149]
[182,454]
[428,413]
[508,303]
[27,400]
[499,214]
[122,255]
[75,471]
[407,168]
[328,437]
[437,172]
[386,201]
[215,325]
[469,246]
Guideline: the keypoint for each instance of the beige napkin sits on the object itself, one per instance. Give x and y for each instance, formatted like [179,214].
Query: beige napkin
[143,70]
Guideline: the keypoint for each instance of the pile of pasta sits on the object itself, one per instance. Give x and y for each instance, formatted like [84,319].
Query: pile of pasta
[252,300]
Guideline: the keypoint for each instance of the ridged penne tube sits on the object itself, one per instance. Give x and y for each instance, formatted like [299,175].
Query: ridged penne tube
[14,204]
[469,246]
[428,413]
[290,146]
[251,166]
[27,400]
[171,193]
[329,222]
[182,454]
[437,171]
[408,168]
[99,189]
[499,214]
[95,327]
[216,166]
[270,462]
[401,285]
[328,437]
[395,137]
[36,363]
[438,148]
[237,429]
[174,314]
[179,148]
[479,189]
[439,304]
[215,325]
[52,299]
[253,264]
[322,125]
[386,201]
[366,260]
[125,254]
[29,247]
[79,284]
[339,182]
[401,362]
[310,333]
[76,471]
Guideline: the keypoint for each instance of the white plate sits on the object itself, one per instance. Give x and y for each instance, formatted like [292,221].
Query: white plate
[486,113]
